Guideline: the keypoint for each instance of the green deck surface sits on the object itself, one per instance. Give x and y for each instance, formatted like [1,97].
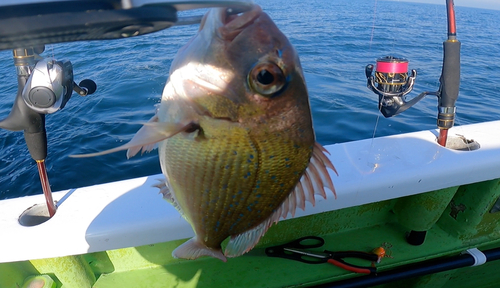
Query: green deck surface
[361,228]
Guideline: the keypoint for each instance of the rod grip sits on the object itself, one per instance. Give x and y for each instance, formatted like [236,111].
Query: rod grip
[450,76]
[37,144]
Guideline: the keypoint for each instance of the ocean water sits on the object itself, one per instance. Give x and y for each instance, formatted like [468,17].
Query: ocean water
[335,41]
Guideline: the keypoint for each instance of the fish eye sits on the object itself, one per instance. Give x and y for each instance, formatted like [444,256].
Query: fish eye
[267,79]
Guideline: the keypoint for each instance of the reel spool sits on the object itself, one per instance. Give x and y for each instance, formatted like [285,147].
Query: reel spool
[391,74]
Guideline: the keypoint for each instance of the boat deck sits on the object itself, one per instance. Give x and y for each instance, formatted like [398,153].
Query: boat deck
[122,234]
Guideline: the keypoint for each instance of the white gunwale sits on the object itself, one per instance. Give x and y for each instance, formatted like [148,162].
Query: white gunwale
[131,213]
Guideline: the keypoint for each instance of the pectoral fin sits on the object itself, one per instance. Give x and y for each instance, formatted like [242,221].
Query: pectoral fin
[146,138]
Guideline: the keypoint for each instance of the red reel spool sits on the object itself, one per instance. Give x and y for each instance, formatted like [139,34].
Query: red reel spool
[391,74]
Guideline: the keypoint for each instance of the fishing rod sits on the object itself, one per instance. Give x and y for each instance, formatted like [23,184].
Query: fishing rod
[392,83]
[469,258]
[450,78]
[44,87]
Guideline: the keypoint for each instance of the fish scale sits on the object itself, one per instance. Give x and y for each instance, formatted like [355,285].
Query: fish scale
[280,168]
[192,170]
[221,172]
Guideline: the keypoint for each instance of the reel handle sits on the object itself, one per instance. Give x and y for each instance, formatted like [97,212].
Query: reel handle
[86,87]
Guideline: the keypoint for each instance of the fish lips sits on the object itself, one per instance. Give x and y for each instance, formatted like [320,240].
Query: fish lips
[234,24]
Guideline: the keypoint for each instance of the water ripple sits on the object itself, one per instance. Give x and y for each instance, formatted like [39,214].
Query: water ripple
[334,41]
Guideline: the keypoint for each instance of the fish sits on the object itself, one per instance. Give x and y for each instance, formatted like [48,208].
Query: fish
[234,134]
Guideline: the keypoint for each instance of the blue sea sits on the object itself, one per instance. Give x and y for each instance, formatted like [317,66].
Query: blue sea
[335,41]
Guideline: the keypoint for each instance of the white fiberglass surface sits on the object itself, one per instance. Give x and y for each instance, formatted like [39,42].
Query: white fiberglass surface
[132,213]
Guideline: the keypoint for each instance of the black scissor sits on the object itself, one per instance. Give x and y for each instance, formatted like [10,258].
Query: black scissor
[293,250]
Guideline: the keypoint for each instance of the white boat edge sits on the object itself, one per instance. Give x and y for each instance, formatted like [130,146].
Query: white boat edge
[131,213]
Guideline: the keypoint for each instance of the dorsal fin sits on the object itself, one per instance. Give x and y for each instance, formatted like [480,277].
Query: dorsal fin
[313,181]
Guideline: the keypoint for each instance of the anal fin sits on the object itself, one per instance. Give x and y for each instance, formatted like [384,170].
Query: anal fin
[244,242]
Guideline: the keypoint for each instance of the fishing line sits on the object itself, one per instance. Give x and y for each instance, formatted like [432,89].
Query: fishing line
[370,48]
[51,53]
[375,129]
[370,160]
[373,25]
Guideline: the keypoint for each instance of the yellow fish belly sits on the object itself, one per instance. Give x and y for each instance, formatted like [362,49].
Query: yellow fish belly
[226,182]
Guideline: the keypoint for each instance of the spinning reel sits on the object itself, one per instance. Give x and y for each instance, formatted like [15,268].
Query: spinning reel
[50,86]
[44,87]
[391,83]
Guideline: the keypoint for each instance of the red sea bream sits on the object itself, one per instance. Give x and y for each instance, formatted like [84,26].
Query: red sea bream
[236,140]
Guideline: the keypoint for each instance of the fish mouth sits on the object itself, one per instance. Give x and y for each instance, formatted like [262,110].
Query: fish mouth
[233,24]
